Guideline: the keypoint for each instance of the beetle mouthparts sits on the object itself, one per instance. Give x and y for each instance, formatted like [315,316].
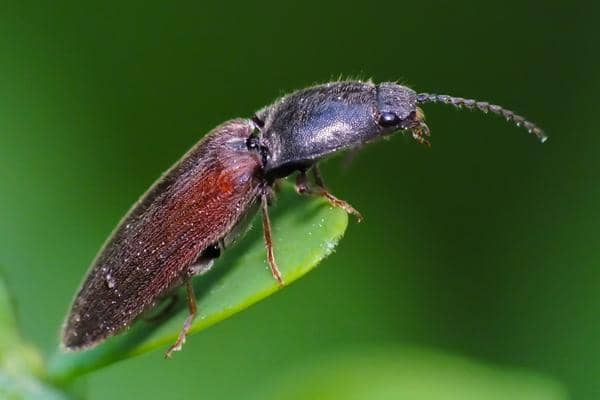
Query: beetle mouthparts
[486,107]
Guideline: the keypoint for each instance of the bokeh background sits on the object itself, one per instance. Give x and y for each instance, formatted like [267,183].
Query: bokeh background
[484,246]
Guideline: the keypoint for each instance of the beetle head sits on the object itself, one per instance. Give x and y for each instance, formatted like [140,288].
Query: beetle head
[397,107]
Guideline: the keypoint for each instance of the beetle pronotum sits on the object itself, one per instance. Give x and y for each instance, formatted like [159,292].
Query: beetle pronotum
[200,205]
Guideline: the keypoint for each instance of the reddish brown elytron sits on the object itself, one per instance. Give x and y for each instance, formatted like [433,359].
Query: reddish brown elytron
[158,243]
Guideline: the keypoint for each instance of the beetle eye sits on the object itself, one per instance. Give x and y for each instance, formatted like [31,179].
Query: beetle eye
[387,119]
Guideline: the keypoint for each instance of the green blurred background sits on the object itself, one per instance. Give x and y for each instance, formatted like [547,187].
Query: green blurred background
[485,245]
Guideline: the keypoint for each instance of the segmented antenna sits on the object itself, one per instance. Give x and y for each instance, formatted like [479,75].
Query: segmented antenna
[486,107]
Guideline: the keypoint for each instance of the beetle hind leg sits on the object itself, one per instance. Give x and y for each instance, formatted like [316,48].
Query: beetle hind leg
[191,298]
[204,262]
[303,187]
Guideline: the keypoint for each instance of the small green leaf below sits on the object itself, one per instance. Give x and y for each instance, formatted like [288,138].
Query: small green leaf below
[305,231]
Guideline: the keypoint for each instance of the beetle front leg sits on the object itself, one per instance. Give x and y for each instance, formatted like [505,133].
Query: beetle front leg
[302,187]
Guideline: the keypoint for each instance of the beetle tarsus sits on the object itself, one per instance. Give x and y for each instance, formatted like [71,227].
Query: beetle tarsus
[302,187]
[191,298]
[335,202]
[269,239]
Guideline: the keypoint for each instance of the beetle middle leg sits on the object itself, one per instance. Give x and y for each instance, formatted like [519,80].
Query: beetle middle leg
[264,200]
[203,264]
[191,299]
[302,187]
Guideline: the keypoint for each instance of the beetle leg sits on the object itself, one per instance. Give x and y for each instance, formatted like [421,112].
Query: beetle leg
[302,184]
[302,187]
[191,298]
[269,239]
[334,201]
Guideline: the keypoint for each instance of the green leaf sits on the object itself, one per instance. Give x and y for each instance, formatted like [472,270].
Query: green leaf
[16,356]
[27,388]
[397,373]
[21,364]
[305,231]
[9,332]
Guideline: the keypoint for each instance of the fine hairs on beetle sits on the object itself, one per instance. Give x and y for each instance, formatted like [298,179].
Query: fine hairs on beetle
[204,202]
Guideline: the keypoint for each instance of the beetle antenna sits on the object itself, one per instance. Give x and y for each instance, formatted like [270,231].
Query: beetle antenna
[486,107]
